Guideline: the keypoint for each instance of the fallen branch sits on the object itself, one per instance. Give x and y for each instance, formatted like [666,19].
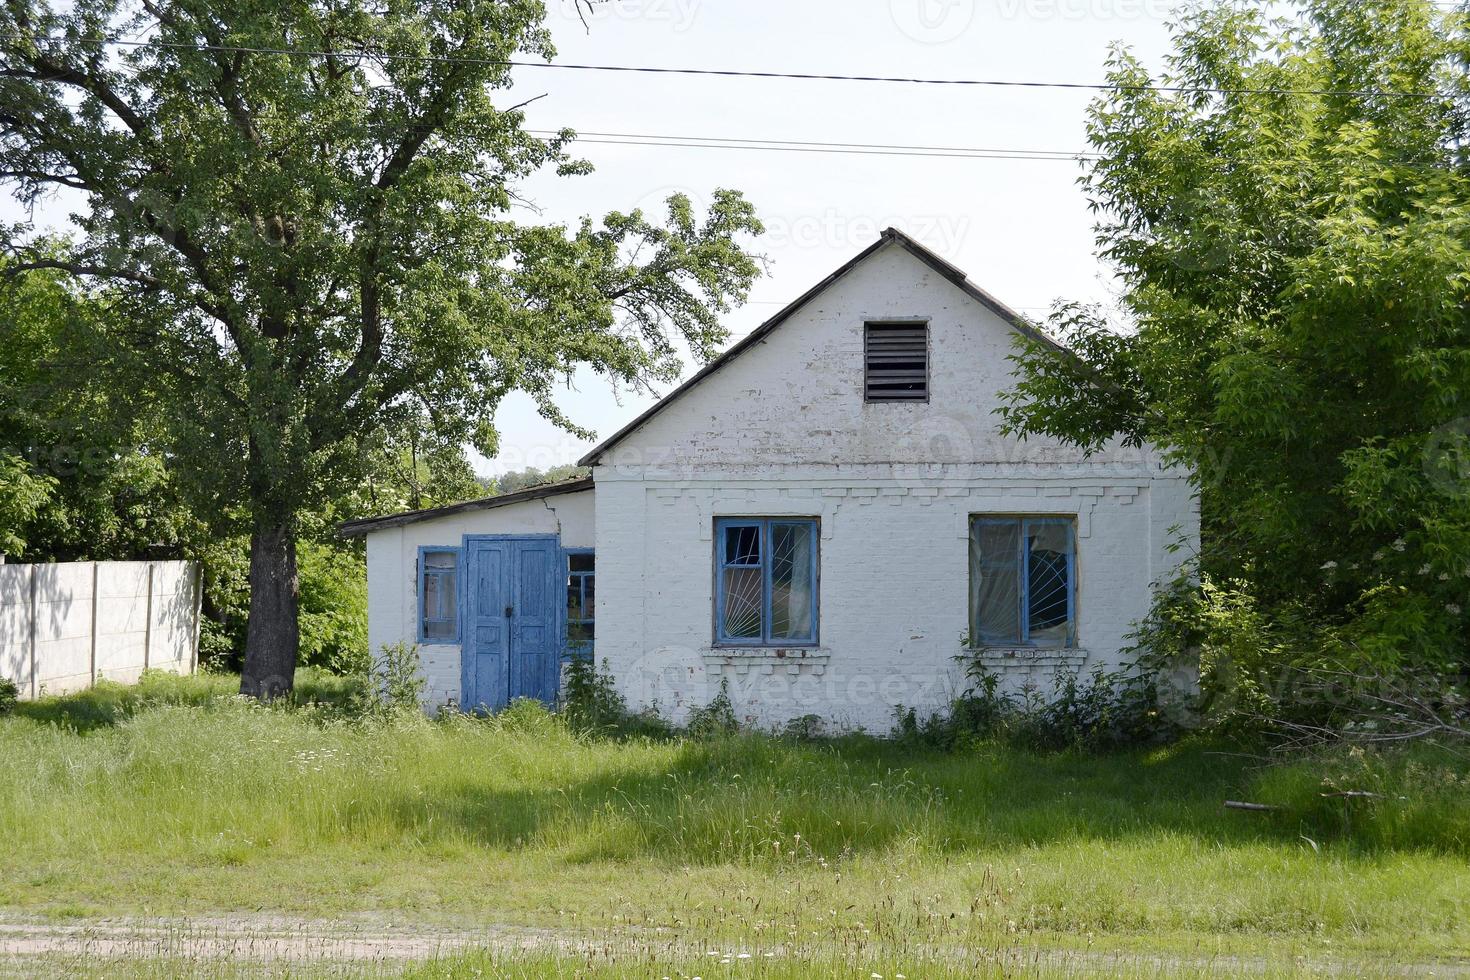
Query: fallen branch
[1252,807]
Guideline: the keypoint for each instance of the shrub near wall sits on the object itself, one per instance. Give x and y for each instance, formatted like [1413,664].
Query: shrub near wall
[333,584]
[1099,711]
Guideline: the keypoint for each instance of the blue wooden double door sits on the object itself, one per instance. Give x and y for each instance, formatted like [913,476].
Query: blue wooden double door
[512,636]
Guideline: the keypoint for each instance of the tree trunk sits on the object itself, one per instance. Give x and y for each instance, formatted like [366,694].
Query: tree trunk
[272,632]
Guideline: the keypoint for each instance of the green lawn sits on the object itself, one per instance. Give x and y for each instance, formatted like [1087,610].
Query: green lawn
[175,800]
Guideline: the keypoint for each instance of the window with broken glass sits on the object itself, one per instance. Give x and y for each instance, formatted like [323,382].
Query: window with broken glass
[581,603]
[438,595]
[1023,584]
[766,581]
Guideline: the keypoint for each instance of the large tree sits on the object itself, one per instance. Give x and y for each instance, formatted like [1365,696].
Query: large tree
[308,208]
[1288,209]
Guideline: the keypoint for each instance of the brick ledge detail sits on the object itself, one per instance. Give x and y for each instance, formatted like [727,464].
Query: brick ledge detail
[1028,657]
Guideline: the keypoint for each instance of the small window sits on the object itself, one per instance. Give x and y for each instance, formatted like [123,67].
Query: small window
[581,603]
[766,581]
[896,362]
[1023,586]
[439,595]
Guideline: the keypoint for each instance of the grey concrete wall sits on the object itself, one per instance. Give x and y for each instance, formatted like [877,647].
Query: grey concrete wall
[65,626]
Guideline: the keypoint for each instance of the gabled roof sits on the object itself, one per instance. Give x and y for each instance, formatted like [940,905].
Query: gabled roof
[367,525]
[891,236]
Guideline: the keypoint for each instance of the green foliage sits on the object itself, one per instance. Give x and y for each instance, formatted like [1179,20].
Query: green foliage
[807,728]
[333,591]
[591,702]
[1102,711]
[1294,249]
[333,608]
[394,686]
[715,719]
[1240,651]
[22,496]
[310,256]
[1290,676]
[9,695]
[78,476]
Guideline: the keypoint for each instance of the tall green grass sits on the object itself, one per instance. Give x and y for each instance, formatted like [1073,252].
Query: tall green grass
[177,797]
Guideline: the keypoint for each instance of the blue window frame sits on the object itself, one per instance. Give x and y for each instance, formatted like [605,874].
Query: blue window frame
[581,602]
[438,591]
[766,588]
[1023,581]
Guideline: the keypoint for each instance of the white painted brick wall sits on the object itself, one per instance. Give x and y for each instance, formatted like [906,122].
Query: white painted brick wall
[392,557]
[783,430]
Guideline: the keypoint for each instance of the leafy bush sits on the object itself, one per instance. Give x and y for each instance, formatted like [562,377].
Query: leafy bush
[1238,649]
[807,728]
[1296,339]
[591,702]
[1287,673]
[226,564]
[9,695]
[716,718]
[1097,712]
[333,604]
[395,684]
[333,608]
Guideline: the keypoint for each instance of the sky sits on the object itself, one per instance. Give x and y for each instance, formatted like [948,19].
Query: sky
[1020,228]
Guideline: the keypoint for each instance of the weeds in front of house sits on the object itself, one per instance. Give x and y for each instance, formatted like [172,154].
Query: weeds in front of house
[1096,712]
[715,719]
[394,685]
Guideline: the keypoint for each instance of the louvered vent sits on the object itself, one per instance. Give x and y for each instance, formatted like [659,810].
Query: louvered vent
[896,362]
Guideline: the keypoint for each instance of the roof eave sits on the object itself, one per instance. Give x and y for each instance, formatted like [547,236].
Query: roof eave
[368,525]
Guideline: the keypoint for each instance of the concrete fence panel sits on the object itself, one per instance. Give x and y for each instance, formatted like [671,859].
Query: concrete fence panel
[65,626]
[17,619]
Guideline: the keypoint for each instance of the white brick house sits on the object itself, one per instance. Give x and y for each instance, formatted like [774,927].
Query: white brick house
[824,518]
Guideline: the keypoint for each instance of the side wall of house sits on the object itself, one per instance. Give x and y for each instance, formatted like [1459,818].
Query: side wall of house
[392,557]
[783,430]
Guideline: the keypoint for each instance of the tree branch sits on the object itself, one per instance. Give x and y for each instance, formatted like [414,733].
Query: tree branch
[81,269]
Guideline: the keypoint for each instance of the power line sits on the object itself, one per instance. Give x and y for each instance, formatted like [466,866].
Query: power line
[731,73]
[806,146]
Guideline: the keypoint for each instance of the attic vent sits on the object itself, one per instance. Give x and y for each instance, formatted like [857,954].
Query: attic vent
[896,362]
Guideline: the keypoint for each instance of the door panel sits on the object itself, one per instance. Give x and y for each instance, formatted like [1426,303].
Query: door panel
[515,656]
[485,675]
[535,633]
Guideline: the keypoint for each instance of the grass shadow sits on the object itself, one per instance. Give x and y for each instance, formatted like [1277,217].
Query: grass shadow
[747,799]
[108,703]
